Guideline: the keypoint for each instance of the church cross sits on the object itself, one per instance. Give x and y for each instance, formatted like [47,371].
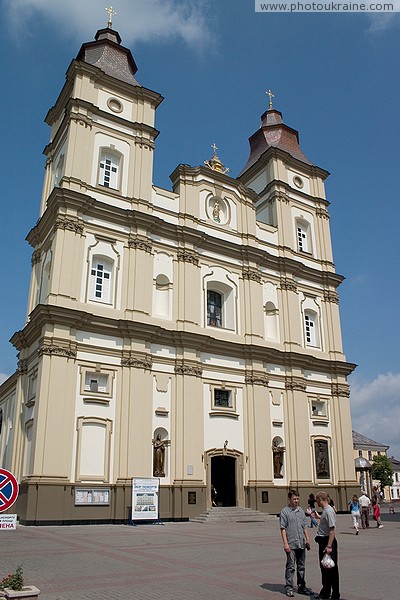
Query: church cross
[111,13]
[214,147]
[271,95]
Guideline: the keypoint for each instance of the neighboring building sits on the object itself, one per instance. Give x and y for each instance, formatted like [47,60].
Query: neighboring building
[364,451]
[395,488]
[190,334]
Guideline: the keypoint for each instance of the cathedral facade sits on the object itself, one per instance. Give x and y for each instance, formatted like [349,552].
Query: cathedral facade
[191,336]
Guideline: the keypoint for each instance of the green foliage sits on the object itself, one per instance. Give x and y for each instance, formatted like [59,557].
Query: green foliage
[13,582]
[382,470]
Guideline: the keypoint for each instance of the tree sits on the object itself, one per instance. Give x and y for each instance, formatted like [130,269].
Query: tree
[382,471]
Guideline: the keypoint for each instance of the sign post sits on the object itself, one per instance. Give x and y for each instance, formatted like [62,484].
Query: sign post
[8,489]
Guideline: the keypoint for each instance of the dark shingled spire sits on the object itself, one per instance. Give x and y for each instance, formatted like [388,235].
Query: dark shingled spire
[107,54]
[273,133]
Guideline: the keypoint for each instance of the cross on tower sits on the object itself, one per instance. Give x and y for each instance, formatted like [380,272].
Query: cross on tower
[111,13]
[214,147]
[271,95]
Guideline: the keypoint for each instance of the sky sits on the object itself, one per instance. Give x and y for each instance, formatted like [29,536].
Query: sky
[336,80]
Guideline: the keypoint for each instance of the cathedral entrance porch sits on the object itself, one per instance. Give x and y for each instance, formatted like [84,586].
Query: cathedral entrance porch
[224,470]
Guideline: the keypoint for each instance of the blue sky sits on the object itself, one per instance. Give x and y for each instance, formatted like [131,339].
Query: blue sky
[335,79]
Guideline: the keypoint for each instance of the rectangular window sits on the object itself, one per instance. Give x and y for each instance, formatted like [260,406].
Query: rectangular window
[214,309]
[222,398]
[96,382]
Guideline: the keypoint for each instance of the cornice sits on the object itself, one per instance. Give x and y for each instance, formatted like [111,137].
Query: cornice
[146,331]
[87,206]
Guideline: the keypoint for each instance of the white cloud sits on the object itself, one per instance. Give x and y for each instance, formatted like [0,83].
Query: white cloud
[382,22]
[375,408]
[138,20]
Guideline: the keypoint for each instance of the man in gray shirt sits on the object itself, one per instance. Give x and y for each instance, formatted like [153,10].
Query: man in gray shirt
[295,539]
[327,545]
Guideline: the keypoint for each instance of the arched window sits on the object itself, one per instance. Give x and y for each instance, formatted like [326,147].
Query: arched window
[109,169]
[311,329]
[303,236]
[214,309]
[100,280]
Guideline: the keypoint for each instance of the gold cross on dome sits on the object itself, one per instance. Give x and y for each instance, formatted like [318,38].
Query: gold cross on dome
[214,147]
[111,13]
[271,95]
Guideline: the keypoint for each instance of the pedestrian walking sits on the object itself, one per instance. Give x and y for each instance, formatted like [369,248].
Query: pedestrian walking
[376,511]
[355,512]
[365,504]
[296,541]
[327,544]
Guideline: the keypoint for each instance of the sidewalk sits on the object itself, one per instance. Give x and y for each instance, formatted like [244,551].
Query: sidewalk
[190,561]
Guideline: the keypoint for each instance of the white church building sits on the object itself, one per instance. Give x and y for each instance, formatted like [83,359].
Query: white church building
[191,335]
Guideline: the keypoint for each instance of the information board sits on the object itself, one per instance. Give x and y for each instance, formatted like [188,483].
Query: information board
[145,496]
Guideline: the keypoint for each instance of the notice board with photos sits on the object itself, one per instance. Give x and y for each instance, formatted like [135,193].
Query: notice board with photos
[145,498]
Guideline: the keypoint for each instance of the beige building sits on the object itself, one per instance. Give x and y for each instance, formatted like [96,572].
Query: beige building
[191,334]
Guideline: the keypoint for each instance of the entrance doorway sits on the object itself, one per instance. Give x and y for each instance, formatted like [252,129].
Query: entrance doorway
[223,478]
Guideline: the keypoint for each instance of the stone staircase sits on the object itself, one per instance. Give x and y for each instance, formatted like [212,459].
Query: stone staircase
[232,514]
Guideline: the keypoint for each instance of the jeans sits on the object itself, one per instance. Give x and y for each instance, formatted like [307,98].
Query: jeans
[330,577]
[293,558]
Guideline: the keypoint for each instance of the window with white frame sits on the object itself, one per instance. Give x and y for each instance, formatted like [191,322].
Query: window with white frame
[311,329]
[303,236]
[100,280]
[96,382]
[318,408]
[223,399]
[109,169]
[214,308]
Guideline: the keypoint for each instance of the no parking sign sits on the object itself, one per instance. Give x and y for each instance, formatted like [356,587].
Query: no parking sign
[8,489]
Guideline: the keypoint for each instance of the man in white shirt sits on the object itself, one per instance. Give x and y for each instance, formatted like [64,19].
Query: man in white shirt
[364,503]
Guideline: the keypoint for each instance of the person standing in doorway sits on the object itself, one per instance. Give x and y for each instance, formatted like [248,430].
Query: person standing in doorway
[294,532]
[365,504]
[327,544]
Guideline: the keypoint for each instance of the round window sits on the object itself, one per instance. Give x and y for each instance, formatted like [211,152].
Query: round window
[298,182]
[115,105]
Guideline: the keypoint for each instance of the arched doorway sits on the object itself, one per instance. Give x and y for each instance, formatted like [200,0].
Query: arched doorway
[223,478]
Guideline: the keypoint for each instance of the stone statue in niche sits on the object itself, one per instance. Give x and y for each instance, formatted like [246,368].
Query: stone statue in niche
[277,453]
[322,460]
[158,457]
[216,212]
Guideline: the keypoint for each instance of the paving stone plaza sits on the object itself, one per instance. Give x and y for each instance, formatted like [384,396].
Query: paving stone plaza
[191,561]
